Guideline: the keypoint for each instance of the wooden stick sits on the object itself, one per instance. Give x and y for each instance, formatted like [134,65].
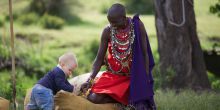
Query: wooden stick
[12,54]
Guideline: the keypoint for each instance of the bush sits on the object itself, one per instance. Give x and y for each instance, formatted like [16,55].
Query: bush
[27,19]
[86,57]
[52,22]
[36,64]
[5,85]
[216,84]
[139,6]
[15,16]
[4,52]
[32,38]
[215,81]
[104,8]
[2,20]
[91,50]
[22,84]
[215,9]
[60,8]
[158,79]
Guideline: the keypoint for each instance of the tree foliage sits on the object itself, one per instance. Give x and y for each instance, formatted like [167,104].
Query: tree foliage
[139,6]
[215,9]
[60,8]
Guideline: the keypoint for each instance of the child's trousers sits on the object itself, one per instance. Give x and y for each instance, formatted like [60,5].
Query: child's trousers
[41,98]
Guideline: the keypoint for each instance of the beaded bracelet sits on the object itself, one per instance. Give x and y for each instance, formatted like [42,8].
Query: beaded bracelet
[90,80]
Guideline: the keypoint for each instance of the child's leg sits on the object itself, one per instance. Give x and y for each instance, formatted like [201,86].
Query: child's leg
[44,98]
[32,105]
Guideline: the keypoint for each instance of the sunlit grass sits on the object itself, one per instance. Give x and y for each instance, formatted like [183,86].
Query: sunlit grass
[187,100]
[201,7]
[208,26]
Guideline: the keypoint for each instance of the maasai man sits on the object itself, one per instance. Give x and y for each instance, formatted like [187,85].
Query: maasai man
[128,79]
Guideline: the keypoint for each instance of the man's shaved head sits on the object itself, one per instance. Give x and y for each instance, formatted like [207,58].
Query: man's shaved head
[117,16]
[116,10]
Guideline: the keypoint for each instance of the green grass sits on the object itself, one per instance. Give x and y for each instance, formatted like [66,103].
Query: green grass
[187,100]
[201,7]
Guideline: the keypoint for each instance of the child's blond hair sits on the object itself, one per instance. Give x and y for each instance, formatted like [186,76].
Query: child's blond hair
[68,58]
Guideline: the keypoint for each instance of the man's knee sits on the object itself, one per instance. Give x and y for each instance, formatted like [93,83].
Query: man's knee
[95,98]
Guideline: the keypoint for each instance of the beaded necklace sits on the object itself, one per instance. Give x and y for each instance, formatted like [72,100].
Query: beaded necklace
[121,46]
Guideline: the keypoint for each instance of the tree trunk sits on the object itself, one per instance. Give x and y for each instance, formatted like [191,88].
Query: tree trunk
[181,58]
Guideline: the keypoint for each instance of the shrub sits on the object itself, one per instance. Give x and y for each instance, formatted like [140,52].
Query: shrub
[215,9]
[5,85]
[52,22]
[139,6]
[2,20]
[87,56]
[27,19]
[4,52]
[60,8]
[22,84]
[216,84]
[215,81]
[104,9]
[32,38]
[37,65]
[91,50]
[15,16]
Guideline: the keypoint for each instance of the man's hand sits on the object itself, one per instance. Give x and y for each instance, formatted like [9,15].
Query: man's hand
[85,86]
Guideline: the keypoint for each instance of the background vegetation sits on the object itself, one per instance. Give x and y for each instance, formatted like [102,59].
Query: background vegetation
[43,34]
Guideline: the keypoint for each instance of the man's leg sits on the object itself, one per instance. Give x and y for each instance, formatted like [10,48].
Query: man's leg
[100,98]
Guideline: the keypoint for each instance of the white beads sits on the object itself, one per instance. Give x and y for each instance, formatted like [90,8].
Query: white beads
[121,48]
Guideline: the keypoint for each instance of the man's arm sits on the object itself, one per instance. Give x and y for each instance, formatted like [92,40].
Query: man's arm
[98,62]
[101,52]
[144,45]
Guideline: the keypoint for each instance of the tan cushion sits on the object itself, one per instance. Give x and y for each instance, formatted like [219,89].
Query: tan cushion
[4,104]
[69,101]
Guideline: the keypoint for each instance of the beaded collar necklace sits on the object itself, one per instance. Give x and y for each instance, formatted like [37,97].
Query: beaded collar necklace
[121,41]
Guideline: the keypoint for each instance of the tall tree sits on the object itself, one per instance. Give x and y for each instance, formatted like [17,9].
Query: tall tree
[181,57]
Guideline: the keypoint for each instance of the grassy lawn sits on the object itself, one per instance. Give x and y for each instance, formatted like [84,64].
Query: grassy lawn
[187,100]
